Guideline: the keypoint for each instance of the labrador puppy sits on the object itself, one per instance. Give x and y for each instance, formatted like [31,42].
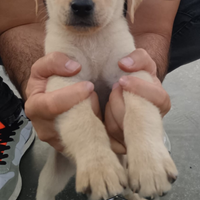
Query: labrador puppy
[95,34]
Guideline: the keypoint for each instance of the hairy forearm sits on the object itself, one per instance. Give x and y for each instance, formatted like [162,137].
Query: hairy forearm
[152,30]
[20,47]
[158,48]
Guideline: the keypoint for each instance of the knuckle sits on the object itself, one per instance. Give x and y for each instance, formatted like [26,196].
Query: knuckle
[54,57]
[36,65]
[168,104]
[42,137]
[162,99]
[164,104]
[149,61]
[51,59]
[143,52]
[48,59]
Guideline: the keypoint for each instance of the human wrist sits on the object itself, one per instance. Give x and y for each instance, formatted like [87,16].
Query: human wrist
[157,46]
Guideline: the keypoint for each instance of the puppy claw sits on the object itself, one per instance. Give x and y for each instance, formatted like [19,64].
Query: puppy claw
[149,198]
[101,177]
[155,180]
[164,194]
[172,178]
[136,191]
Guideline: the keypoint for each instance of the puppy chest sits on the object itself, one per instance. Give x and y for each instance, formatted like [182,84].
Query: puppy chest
[94,62]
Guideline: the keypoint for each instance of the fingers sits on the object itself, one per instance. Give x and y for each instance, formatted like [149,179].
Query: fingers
[114,132]
[95,105]
[114,115]
[52,64]
[117,106]
[55,64]
[43,107]
[117,147]
[153,92]
[46,132]
[48,105]
[150,91]
[138,60]
[112,126]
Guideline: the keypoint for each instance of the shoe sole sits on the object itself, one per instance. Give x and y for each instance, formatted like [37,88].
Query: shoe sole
[18,187]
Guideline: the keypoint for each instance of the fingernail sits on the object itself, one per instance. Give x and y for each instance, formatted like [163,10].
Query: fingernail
[116,85]
[90,86]
[123,81]
[72,66]
[127,62]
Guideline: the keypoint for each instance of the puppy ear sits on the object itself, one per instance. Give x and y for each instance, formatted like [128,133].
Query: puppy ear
[36,7]
[132,7]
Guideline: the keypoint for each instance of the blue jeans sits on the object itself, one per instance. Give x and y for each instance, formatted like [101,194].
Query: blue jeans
[185,43]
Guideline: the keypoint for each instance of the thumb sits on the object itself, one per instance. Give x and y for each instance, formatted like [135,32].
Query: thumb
[55,64]
[51,104]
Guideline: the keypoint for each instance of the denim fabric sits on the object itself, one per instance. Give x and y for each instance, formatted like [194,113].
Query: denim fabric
[185,43]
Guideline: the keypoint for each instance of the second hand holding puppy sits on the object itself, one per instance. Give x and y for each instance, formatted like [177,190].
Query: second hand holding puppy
[153,92]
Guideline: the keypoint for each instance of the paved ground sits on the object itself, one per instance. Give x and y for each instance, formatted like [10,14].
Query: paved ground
[182,125]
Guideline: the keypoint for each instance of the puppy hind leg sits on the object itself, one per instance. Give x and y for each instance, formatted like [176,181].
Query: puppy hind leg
[54,176]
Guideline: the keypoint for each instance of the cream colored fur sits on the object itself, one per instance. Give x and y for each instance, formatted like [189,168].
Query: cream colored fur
[87,148]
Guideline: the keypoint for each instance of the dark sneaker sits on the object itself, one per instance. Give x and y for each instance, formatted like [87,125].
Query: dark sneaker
[15,139]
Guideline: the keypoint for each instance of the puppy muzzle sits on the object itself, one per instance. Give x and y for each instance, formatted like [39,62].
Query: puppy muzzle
[82,13]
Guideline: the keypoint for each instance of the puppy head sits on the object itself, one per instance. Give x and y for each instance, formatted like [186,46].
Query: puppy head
[83,16]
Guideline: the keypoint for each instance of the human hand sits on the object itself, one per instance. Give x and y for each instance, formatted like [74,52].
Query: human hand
[42,108]
[153,92]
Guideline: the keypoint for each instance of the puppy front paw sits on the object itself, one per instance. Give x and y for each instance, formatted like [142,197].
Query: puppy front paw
[101,176]
[151,170]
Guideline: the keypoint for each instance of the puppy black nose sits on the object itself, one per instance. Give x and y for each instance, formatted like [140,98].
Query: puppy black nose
[82,8]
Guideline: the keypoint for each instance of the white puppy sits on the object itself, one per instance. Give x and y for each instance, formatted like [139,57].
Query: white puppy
[95,34]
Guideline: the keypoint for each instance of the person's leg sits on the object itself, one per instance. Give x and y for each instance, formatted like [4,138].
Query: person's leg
[185,44]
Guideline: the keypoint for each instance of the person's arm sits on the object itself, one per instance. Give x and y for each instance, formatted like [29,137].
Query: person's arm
[42,107]
[20,47]
[152,30]
[21,38]
[20,12]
